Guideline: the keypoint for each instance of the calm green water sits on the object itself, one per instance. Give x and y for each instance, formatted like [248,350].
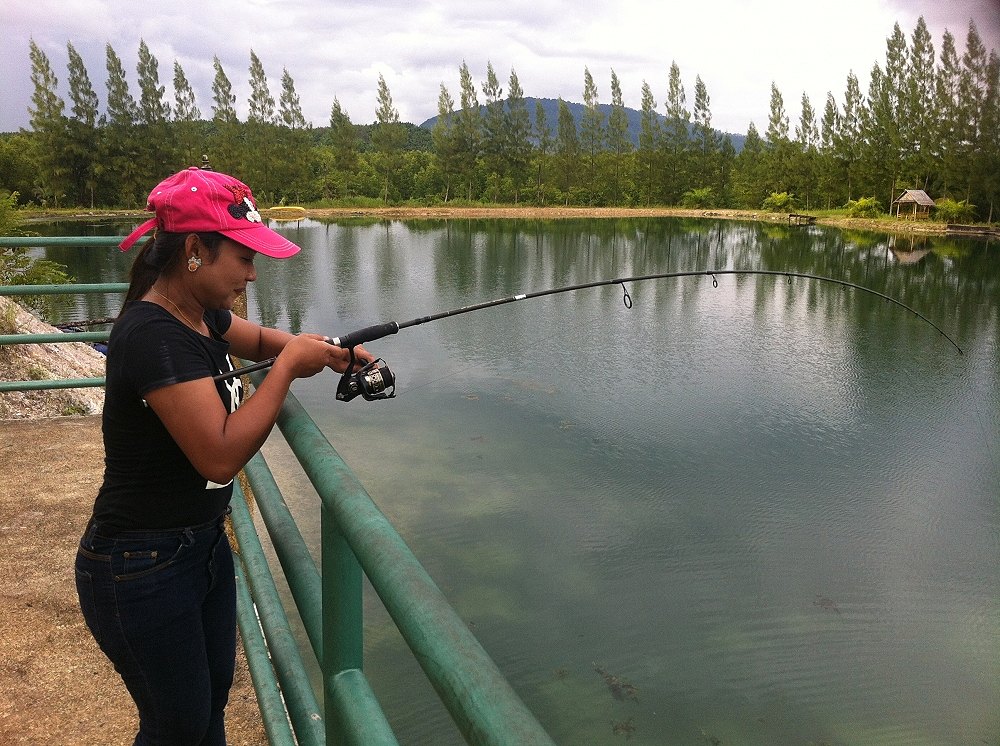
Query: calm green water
[764,512]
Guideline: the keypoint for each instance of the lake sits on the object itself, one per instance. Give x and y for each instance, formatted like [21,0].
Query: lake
[760,510]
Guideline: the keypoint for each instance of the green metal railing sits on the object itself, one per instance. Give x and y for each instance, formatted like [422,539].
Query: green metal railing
[357,541]
[69,289]
[357,537]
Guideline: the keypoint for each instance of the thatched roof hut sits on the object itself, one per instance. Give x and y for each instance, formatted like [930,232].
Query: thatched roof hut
[912,203]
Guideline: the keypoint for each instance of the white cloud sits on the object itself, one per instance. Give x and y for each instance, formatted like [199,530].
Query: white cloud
[737,47]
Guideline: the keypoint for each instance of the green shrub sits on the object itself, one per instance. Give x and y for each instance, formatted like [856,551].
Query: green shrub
[9,219]
[17,267]
[699,198]
[780,202]
[866,207]
[950,211]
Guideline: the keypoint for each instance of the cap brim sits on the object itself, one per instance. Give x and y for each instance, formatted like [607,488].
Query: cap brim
[264,241]
[138,233]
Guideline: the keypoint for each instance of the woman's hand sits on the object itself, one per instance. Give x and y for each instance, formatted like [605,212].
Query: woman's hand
[343,358]
[306,355]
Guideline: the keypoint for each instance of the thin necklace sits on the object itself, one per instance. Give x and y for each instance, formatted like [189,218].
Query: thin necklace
[176,308]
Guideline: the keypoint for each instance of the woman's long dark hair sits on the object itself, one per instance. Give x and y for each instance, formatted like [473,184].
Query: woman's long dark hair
[161,253]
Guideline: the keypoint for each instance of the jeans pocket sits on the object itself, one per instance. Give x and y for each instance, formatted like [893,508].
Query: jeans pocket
[88,602]
[135,563]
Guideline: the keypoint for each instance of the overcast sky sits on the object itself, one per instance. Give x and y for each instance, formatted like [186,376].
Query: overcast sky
[333,48]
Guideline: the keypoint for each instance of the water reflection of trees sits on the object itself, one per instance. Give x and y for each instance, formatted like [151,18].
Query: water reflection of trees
[348,266]
[950,280]
[87,264]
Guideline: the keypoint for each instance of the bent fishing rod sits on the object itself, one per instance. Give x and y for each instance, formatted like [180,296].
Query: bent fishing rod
[376,381]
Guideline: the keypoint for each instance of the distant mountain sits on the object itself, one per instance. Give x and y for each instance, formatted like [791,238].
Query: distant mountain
[551,107]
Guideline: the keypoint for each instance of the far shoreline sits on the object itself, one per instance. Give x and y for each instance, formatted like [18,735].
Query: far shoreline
[444,212]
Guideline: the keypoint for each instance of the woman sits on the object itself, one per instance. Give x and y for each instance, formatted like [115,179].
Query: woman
[154,571]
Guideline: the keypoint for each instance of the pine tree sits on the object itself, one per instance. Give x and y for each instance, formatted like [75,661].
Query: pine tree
[289,106]
[567,151]
[950,119]
[223,98]
[807,142]
[847,137]
[705,142]
[388,138]
[830,174]
[918,134]
[187,117]
[493,150]
[675,141]
[260,132]
[543,138]
[444,136]
[591,135]
[518,134]
[153,110]
[225,151]
[726,168]
[123,144]
[619,143]
[779,147]
[777,122]
[122,109]
[806,131]
[344,139]
[973,89]
[989,160]
[81,90]
[49,127]
[293,141]
[157,156]
[261,104]
[337,181]
[750,178]
[885,119]
[185,105]
[469,130]
[82,148]
[649,143]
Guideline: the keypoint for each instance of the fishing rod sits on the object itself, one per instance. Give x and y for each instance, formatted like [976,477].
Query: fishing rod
[376,381]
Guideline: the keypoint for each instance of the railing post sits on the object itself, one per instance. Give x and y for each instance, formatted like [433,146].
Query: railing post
[342,615]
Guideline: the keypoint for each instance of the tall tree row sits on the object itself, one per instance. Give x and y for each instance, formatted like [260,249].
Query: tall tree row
[929,119]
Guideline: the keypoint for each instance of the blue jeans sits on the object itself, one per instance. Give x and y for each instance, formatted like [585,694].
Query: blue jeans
[162,606]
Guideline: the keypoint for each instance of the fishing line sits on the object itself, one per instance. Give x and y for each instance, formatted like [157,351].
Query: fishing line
[372,380]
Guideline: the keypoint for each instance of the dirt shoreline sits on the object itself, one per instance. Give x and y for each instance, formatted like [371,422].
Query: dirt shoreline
[58,688]
[444,212]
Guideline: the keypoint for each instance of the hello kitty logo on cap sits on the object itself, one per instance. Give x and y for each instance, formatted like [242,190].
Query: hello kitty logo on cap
[201,201]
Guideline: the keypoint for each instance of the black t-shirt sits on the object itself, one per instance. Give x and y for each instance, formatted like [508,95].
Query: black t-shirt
[148,481]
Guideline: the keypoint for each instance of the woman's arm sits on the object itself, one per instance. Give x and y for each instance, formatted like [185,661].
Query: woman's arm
[219,443]
[250,341]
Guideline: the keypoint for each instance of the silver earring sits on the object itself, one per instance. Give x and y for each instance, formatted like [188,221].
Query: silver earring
[193,263]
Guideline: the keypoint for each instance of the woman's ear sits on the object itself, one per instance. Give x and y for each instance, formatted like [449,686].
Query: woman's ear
[192,245]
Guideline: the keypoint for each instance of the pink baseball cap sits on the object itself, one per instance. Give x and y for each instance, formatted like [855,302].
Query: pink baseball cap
[200,201]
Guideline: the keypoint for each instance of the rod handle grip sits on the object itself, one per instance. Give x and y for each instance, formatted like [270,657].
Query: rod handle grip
[368,334]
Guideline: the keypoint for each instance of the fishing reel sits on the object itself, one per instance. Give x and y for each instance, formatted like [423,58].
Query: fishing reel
[373,381]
